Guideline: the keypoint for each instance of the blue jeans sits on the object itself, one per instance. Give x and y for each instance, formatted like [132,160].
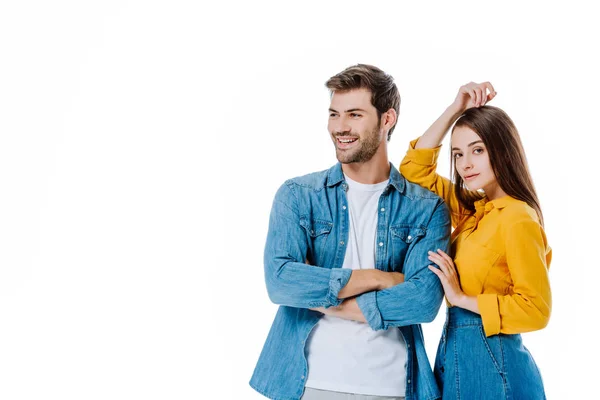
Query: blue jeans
[469,365]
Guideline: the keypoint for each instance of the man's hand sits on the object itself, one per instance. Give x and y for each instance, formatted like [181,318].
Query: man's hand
[348,309]
[371,279]
[367,280]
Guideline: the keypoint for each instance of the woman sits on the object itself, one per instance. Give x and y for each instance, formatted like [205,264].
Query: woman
[497,286]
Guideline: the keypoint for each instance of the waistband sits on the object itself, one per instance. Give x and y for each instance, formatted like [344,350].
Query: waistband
[456,316]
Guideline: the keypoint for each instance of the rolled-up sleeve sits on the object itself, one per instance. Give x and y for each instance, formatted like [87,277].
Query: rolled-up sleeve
[289,280]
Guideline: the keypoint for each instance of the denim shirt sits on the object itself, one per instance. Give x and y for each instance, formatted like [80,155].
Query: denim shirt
[304,253]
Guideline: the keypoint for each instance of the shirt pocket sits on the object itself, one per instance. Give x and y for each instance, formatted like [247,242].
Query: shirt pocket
[317,233]
[403,237]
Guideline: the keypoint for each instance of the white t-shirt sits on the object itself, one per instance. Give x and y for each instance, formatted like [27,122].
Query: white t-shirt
[349,356]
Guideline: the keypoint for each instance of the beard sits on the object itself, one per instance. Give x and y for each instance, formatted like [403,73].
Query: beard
[363,151]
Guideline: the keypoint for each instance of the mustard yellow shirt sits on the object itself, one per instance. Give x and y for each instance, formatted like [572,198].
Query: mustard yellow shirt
[500,252]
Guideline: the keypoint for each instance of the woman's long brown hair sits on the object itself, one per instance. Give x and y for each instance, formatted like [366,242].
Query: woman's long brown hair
[507,157]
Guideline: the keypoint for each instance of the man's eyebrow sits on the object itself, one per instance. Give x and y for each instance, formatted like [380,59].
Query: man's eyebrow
[469,145]
[348,111]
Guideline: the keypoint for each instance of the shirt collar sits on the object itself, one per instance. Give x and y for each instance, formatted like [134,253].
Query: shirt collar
[336,175]
[489,205]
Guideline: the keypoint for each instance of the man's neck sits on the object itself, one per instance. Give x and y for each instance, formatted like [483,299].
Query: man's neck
[373,171]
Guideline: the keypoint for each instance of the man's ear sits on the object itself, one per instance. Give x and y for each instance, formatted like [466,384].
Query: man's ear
[388,119]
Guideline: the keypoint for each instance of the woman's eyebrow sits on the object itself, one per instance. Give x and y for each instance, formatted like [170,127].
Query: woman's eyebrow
[469,145]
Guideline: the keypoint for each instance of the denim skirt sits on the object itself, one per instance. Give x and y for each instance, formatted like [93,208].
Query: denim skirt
[471,366]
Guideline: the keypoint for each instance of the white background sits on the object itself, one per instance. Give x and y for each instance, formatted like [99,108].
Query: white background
[141,144]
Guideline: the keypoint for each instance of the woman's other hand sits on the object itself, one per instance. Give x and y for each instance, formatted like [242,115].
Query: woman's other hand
[448,276]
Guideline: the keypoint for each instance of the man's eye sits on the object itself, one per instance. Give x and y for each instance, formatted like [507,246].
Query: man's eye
[331,115]
[354,115]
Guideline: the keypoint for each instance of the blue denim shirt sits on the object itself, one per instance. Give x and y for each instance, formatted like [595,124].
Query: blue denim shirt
[304,253]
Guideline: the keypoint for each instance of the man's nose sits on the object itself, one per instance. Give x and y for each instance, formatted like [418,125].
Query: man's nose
[342,126]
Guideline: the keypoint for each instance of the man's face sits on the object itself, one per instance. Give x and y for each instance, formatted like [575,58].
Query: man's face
[354,126]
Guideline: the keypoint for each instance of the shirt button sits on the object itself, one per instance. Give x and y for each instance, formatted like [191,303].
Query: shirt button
[382,209]
[408,381]
[409,237]
[342,242]
[408,345]
[343,207]
[380,244]
[312,232]
[302,377]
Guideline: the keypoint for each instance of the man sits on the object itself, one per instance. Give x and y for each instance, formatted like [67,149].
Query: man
[346,260]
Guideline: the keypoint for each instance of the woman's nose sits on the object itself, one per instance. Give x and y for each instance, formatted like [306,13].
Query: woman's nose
[467,164]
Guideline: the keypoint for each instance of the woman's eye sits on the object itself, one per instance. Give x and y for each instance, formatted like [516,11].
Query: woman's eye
[478,150]
[457,155]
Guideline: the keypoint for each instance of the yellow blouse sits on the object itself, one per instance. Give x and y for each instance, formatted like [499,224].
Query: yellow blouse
[500,252]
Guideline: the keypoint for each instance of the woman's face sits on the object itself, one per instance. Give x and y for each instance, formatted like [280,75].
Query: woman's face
[473,162]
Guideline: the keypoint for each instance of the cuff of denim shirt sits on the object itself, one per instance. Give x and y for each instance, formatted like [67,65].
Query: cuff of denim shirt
[338,278]
[367,302]
[490,313]
[422,156]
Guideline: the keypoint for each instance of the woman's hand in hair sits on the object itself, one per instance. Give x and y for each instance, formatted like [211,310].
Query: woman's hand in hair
[473,95]
[469,96]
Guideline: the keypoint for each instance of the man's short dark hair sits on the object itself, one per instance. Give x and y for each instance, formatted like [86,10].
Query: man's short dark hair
[384,92]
